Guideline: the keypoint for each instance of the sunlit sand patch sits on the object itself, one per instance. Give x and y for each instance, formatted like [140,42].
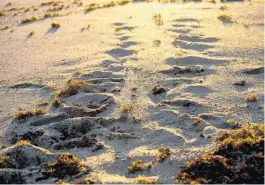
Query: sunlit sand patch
[101,159]
[156,126]
[142,151]
[191,152]
[136,86]
[105,177]
[235,94]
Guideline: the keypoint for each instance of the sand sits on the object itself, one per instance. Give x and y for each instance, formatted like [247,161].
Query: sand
[195,61]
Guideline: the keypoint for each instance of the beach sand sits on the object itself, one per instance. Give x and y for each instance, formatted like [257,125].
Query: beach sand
[141,76]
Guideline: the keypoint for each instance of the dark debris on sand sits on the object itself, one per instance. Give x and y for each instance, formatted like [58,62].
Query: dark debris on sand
[239,159]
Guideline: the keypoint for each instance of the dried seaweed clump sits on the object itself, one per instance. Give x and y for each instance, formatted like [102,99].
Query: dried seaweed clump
[238,159]
[225,17]
[3,161]
[2,13]
[163,153]
[252,97]
[29,20]
[24,115]
[55,25]
[139,165]
[85,181]
[45,3]
[72,88]
[127,108]
[66,165]
[145,180]
[158,20]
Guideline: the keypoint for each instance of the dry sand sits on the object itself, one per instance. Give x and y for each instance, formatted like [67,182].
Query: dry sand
[193,58]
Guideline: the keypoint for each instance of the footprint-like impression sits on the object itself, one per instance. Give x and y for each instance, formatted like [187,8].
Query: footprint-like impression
[198,90]
[199,47]
[120,52]
[194,38]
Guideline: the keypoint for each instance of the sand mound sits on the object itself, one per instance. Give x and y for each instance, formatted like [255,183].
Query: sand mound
[23,155]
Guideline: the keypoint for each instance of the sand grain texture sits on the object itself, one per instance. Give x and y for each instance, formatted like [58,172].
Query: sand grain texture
[136,85]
